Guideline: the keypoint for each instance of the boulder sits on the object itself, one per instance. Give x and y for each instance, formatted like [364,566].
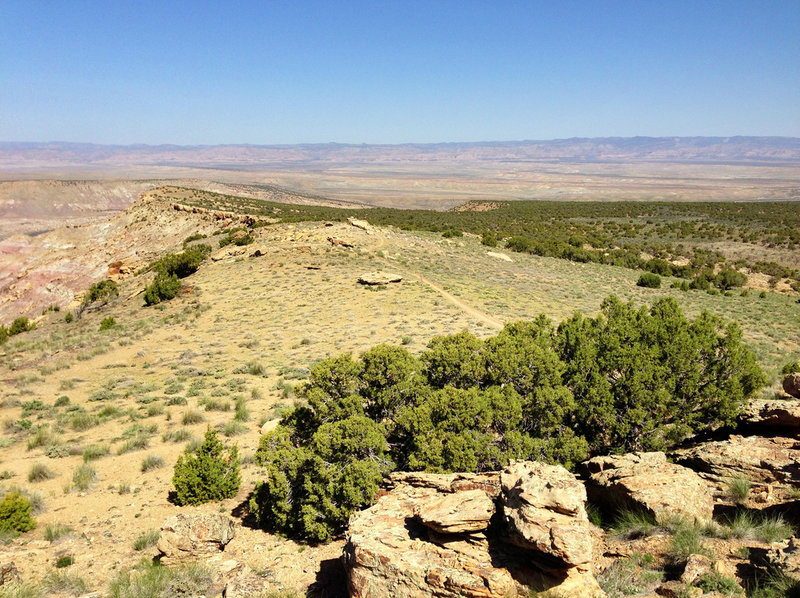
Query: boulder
[388,553]
[791,384]
[467,511]
[696,566]
[362,224]
[186,536]
[765,413]
[427,536]
[759,459]
[543,506]
[647,482]
[380,277]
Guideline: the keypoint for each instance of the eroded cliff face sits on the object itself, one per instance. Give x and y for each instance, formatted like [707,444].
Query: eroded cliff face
[54,268]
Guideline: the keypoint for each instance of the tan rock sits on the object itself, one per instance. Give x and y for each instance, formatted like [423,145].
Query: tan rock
[785,557]
[379,277]
[696,566]
[543,506]
[756,458]
[467,511]
[186,536]
[387,556]
[791,384]
[772,414]
[646,481]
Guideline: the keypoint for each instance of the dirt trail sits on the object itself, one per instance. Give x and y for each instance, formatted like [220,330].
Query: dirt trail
[475,313]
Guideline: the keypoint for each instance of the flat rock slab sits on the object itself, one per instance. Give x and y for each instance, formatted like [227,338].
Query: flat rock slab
[647,482]
[543,506]
[756,458]
[468,511]
[772,413]
[381,277]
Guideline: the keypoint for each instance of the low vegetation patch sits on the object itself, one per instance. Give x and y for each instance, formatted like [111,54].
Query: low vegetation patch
[15,513]
[211,473]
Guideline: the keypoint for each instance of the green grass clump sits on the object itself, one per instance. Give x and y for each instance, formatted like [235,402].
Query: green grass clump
[43,436]
[80,422]
[136,443]
[738,489]
[146,539]
[746,525]
[153,580]
[21,590]
[632,575]
[152,462]
[54,531]
[65,561]
[176,436]
[631,524]
[94,452]
[83,477]
[191,417]
[234,428]
[717,582]
[686,540]
[108,323]
[39,472]
[65,582]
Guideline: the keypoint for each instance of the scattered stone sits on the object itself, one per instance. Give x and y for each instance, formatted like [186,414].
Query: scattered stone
[696,566]
[380,277]
[676,589]
[785,556]
[257,253]
[467,511]
[772,414]
[339,242]
[647,482]
[791,384]
[9,573]
[362,224]
[756,458]
[193,536]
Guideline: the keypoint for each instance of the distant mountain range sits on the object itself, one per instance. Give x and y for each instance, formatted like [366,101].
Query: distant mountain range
[769,150]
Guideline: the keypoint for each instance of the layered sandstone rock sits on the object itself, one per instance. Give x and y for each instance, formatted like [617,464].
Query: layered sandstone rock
[772,414]
[543,506]
[647,482]
[756,458]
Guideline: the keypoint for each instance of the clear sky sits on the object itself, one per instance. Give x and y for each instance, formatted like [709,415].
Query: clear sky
[267,72]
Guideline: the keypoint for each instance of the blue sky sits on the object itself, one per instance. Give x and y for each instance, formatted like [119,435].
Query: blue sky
[392,72]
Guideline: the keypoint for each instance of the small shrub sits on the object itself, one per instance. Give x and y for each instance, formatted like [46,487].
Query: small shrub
[686,540]
[242,412]
[69,317]
[452,233]
[42,437]
[15,513]
[649,280]
[207,475]
[146,539]
[163,288]
[717,582]
[152,462]
[234,428]
[54,531]
[136,443]
[176,436]
[108,323]
[83,477]
[101,291]
[39,472]
[790,368]
[20,325]
[61,401]
[65,561]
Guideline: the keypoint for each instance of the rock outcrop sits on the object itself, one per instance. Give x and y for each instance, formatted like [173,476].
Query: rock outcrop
[791,384]
[189,537]
[543,506]
[756,458]
[381,277]
[647,482]
[774,413]
[437,535]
